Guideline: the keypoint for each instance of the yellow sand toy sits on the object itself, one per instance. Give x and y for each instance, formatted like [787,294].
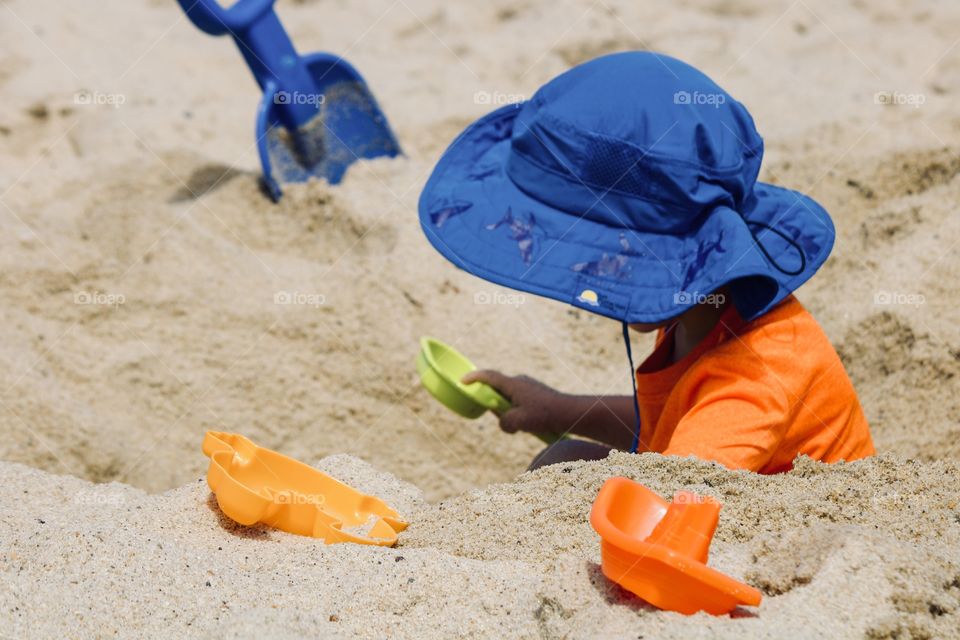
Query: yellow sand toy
[254,484]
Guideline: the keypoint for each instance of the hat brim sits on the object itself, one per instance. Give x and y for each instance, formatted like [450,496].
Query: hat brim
[480,220]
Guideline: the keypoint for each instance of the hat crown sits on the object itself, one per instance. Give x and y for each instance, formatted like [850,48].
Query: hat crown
[638,140]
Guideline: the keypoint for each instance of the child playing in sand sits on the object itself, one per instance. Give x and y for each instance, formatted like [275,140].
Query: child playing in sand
[627,187]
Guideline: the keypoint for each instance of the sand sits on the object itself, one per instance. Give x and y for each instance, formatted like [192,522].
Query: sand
[866,549]
[145,284]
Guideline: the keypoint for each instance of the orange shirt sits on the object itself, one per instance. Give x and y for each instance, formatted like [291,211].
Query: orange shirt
[753,395]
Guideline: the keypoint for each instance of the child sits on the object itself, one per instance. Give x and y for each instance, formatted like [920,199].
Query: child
[627,187]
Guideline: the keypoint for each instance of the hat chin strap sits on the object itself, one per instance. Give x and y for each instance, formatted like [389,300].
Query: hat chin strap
[633,379]
[626,329]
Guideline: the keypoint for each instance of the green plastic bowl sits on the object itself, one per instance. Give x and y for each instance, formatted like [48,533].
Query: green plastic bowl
[441,367]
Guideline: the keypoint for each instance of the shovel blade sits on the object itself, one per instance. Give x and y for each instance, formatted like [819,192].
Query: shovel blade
[348,126]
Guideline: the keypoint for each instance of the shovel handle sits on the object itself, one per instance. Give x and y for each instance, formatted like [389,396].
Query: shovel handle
[267,48]
[212,18]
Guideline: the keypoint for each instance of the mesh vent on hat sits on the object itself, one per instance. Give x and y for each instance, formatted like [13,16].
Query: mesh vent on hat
[615,166]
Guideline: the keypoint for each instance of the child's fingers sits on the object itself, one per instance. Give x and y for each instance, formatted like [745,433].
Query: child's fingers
[493,378]
[513,420]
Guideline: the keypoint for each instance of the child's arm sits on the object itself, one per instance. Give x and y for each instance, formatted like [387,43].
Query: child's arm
[538,408]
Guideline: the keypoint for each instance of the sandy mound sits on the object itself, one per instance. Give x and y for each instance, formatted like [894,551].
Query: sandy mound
[860,550]
[143,272]
[149,292]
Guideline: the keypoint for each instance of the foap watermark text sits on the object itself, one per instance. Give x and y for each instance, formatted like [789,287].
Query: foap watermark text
[690,298]
[299,298]
[497,98]
[699,98]
[899,99]
[898,298]
[101,298]
[498,297]
[298,97]
[98,98]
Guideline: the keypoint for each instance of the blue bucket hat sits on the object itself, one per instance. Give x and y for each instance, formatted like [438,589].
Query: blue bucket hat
[626,186]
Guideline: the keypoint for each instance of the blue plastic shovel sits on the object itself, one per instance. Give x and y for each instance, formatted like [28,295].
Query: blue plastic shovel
[317,115]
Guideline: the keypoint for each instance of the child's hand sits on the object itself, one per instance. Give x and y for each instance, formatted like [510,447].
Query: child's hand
[534,403]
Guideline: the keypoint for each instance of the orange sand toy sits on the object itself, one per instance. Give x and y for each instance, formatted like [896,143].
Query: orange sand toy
[658,550]
[253,484]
